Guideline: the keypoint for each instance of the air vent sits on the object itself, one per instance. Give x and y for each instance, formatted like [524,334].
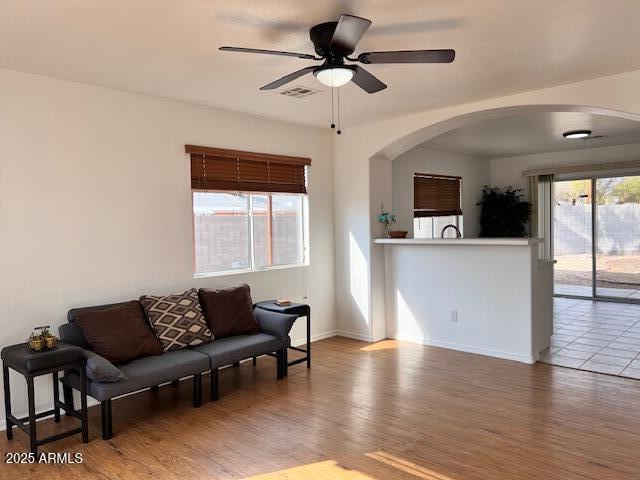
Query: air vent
[300,92]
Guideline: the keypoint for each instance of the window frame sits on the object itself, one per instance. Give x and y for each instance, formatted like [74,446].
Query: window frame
[251,247]
[459,217]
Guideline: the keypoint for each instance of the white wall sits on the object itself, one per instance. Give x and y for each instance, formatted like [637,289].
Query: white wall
[473,170]
[490,287]
[95,203]
[508,170]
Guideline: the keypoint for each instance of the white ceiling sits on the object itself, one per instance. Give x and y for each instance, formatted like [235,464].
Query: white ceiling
[169,48]
[536,133]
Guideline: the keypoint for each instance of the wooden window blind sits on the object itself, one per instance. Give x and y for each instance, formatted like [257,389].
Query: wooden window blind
[436,195]
[235,170]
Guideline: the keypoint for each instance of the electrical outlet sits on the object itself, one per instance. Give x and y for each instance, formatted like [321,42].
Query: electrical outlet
[454,315]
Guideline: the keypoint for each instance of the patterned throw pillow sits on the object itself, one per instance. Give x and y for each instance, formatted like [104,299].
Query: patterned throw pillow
[177,319]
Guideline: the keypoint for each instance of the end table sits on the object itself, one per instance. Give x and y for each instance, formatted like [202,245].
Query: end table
[32,364]
[301,310]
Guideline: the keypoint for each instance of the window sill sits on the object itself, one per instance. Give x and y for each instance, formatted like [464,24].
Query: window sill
[225,273]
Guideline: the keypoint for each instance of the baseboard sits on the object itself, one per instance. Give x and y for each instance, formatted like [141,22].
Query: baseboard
[299,342]
[357,336]
[530,359]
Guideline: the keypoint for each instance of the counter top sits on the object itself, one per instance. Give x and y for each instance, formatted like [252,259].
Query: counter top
[458,241]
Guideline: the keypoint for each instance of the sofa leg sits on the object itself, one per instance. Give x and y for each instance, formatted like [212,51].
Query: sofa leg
[279,364]
[236,364]
[107,424]
[67,395]
[285,362]
[255,360]
[197,390]
[175,383]
[215,388]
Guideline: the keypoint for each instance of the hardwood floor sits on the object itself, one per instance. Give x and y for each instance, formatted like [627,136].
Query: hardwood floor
[368,411]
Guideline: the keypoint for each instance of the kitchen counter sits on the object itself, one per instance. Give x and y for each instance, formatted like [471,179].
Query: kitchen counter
[491,296]
[458,241]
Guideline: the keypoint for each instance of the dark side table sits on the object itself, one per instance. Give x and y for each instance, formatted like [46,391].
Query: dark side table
[301,310]
[33,364]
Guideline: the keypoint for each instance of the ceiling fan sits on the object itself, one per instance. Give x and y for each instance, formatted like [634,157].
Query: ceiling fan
[333,43]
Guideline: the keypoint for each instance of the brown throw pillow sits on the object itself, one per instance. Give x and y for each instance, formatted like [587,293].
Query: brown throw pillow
[229,311]
[177,319]
[119,333]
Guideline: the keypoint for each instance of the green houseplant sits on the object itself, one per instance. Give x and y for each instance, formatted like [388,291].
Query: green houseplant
[503,212]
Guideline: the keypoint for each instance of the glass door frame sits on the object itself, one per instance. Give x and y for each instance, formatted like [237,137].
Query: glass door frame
[594,238]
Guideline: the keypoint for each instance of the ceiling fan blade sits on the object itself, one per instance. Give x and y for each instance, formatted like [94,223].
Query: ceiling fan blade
[288,78]
[348,32]
[267,52]
[366,81]
[408,56]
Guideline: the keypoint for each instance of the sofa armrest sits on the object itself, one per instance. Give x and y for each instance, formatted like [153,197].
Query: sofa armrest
[101,370]
[275,323]
[72,334]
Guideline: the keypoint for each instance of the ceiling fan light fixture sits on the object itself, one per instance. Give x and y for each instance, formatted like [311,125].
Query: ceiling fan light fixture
[334,77]
[573,134]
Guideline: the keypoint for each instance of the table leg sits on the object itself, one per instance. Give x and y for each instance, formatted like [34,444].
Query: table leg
[56,397]
[32,415]
[83,403]
[309,339]
[67,394]
[7,401]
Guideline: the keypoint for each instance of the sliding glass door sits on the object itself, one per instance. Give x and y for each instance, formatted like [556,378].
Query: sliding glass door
[596,239]
[617,237]
[573,238]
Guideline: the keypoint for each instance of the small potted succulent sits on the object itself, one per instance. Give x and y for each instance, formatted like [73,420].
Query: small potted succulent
[48,338]
[35,342]
[41,339]
[387,219]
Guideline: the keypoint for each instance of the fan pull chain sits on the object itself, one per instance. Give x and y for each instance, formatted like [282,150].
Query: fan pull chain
[339,131]
[333,125]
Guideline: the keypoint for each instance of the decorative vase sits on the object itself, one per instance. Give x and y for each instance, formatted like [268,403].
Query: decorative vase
[36,344]
[50,341]
[398,234]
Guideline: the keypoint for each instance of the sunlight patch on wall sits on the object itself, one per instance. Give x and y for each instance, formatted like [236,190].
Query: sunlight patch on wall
[359,277]
[407,326]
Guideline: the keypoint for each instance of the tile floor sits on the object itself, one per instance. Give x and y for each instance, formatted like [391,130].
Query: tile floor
[601,337]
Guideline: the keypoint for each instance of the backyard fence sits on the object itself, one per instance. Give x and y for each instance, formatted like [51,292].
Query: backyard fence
[222,241]
[618,229]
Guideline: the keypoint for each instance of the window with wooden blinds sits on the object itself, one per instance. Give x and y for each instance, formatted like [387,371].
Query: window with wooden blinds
[436,195]
[235,170]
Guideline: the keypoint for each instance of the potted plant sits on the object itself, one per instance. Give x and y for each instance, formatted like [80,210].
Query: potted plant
[48,338]
[35,342]
[503,212]
[387,219]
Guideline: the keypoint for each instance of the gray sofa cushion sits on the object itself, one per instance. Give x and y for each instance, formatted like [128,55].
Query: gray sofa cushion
[275,323]
[147,372]
[224,351]
[99,369]
[71,333]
